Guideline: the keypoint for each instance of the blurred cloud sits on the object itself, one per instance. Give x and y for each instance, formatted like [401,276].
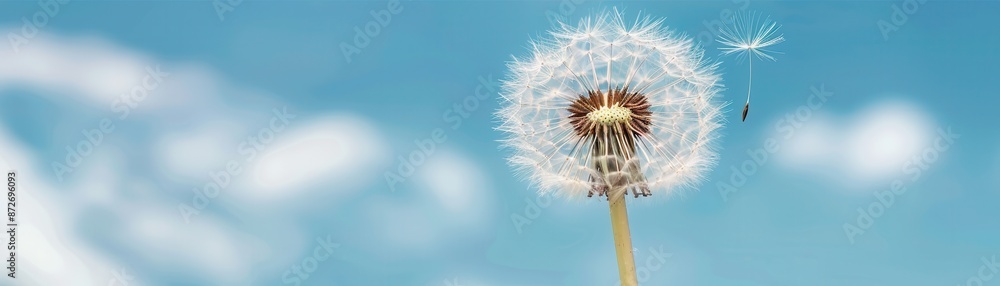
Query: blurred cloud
[860,150]
[86,66]
[50,253]
[461,187]
[196,128]
[205,248]
[885,136]
[340,150]
[400,230]
[450,204]
[194,152]
[814,145]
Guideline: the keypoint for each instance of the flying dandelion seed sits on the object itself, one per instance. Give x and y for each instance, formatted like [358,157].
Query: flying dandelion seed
[748,37]
[605,108]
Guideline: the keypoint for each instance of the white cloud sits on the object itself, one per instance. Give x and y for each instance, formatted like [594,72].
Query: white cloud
[399,230]
[205,247]
[97,182]
[884,137]
[199,128]
[864,149]
[193,153]
[814,144]
[459,185]
[454,196]
[50,252]
[344,151]
[84,66]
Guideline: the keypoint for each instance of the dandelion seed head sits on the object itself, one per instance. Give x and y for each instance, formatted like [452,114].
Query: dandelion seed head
[608,106]
[750,35]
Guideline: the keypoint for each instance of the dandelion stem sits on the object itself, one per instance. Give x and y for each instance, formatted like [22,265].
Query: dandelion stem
[750,79]
[746,107]
[623,240]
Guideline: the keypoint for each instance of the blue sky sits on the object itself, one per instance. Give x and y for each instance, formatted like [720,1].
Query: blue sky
[266,89]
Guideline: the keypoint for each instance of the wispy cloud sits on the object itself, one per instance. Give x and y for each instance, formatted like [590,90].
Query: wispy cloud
[181,133]
[460,186]
[342,151]
[868,147]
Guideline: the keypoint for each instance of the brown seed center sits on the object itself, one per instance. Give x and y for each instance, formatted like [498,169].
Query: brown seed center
[618,111]
[612,123]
